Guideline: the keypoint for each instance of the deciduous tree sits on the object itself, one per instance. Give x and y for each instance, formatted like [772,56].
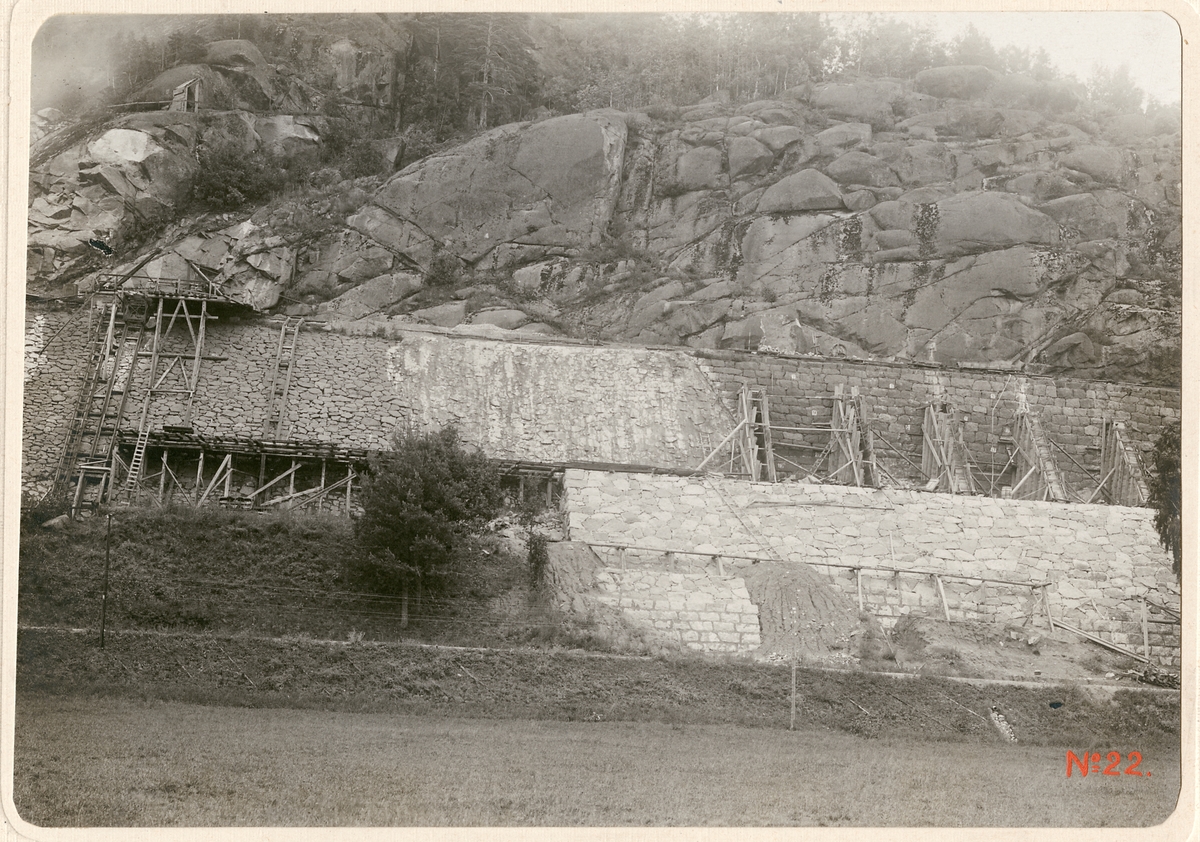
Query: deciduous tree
[419,501]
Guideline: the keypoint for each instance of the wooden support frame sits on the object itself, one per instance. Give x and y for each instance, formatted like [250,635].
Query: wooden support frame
[851,440]
[224,471]
[1124,481]
[944,459]
[1033,459]
[290,472]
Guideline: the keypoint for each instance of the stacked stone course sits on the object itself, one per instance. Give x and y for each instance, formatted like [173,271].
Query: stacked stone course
[1100,561]
[687,602]
[55,350]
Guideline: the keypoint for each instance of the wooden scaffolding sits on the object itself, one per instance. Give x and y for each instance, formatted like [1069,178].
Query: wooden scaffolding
[852,440]
[752,448]
[945,460]
[184,468]
[1122,481]
[1035,475]
[115,337]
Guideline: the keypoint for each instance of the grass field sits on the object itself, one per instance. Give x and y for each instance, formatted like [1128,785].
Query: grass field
[122,762]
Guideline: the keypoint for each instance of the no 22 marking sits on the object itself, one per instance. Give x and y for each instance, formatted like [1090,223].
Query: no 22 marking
[1090,762]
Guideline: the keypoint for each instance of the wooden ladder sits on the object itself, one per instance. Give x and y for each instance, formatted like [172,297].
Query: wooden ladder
[139,457]
[281,379]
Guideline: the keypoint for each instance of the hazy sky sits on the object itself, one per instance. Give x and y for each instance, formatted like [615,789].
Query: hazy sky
[1148,42]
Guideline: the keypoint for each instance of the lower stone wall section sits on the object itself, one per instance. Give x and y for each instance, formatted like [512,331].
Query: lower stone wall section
[1100,561]
[690,604]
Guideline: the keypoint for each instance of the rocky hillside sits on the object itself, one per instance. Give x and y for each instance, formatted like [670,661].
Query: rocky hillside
[960,216]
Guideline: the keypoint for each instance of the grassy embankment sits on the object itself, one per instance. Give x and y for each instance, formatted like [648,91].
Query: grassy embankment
[270,574]
[113,762]
[229,609]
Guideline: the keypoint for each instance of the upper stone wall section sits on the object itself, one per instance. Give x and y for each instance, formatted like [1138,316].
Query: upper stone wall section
[561,402]
[552,401]
[522,401]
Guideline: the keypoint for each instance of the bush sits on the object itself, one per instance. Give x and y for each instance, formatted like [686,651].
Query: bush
[445,270]
[361,159]
[420,500]
[538,557]
[229,177]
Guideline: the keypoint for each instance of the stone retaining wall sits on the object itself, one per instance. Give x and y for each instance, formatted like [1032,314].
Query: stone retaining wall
[800,391]
[1100,560]
[55,352]
[561,402]
[532,401]
[685,601]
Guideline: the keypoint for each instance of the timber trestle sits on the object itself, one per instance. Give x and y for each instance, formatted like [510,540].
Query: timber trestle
[832,439]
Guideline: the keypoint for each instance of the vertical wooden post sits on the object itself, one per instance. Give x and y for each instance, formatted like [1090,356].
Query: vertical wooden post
[200,475]
[292,480]
[720,566]
[349,483]
[621,557]
[229,476]
[792,725]
[321,499]
[858,582]
[262,471]
[162,478]
[1046,599]
[942,594]
[78,495]
[1145,630]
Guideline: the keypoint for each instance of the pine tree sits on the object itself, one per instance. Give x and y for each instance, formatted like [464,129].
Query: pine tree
[1166,494]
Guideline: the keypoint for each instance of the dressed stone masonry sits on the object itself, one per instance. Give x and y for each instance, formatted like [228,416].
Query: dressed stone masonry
[1101,560]
[523,400]
[684,599]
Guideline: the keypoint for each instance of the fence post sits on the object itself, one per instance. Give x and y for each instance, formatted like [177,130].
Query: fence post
[1145,629]
[104,595]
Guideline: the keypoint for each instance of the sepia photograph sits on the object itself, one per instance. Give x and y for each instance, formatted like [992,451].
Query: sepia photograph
[593,419]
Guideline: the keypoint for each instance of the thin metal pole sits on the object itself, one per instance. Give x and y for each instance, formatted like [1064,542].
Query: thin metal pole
[792,726]
[104,595]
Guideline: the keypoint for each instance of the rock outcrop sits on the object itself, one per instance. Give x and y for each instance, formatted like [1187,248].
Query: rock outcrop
[963,216]
[507,197]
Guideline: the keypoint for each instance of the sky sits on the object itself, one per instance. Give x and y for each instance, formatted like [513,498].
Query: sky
[1148,42]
